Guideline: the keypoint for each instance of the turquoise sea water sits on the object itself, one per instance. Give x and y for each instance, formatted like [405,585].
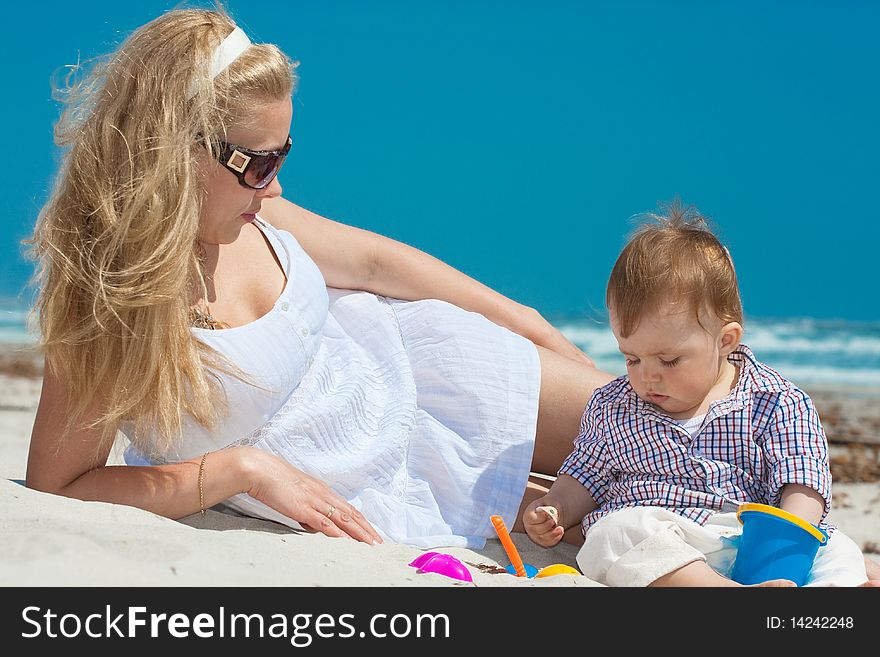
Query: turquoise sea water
[515,140]
[807,351]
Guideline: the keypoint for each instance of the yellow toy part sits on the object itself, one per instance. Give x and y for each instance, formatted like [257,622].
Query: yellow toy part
[785,515]
[557,569]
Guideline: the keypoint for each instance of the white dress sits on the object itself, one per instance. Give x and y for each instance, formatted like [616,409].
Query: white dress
[420,414]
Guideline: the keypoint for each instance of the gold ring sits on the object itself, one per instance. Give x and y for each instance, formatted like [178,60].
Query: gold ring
[330,512]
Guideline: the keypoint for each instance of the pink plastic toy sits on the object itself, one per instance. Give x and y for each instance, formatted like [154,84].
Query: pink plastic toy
[442,564]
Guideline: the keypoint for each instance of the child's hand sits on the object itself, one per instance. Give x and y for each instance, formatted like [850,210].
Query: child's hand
[541,522]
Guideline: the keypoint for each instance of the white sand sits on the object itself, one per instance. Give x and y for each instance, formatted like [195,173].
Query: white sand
[50,540]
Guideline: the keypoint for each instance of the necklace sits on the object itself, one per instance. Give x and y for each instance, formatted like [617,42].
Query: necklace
[197,317]
[204,320]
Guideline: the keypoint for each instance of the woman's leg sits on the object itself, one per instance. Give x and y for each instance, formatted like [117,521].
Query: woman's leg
[872,568]
[566,387]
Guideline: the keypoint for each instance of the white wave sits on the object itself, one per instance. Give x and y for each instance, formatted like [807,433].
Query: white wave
[614,366]
[13,316]
[803,375]
[803,349]
[17,336]
[764,339]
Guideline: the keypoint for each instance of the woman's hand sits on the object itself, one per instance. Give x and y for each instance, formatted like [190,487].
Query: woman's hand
[309,501]
[544,334]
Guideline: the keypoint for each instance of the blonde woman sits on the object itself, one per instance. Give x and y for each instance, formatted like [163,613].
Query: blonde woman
[253,352]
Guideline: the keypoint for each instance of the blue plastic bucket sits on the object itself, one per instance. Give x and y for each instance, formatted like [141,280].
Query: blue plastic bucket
[775,544]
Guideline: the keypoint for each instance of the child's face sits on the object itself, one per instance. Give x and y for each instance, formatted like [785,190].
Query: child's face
[675,363]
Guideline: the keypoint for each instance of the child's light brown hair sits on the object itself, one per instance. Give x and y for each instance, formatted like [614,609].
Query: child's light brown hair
[674,255]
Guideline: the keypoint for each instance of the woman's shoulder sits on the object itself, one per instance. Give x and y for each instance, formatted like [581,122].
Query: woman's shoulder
[282,215]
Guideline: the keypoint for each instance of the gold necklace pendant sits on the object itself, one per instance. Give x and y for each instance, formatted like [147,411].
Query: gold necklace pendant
[197,317]
[203,320]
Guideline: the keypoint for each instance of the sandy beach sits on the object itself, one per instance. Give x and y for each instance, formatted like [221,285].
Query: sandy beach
[50,540]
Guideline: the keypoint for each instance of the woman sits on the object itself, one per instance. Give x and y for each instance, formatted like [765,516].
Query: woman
[255,353]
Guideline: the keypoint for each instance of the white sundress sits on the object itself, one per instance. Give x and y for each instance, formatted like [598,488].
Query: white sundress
[420,414]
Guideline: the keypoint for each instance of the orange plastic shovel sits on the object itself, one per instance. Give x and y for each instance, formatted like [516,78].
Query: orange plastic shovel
[509,547]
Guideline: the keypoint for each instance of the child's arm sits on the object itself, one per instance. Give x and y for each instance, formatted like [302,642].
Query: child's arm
[582,479]
[796,455]
[803,502]
[572,502]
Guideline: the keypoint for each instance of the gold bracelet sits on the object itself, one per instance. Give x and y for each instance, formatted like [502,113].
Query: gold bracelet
[201,483]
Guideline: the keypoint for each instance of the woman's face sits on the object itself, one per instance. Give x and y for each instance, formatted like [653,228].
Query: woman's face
[227,205]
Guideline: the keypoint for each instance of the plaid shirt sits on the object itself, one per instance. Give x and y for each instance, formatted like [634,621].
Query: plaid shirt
[766,433]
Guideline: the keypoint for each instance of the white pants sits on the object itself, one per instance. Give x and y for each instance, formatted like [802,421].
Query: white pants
[635,546]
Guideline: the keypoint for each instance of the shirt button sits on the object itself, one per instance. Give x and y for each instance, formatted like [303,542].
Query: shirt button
[311,360]
[305,332]
[285,306]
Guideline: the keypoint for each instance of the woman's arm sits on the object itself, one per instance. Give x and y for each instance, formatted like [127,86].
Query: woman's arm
[72,466]
[353,258]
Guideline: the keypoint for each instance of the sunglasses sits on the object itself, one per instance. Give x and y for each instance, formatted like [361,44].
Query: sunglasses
[254,169]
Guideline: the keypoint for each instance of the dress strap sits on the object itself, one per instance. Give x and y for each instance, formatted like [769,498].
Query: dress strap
[276,241]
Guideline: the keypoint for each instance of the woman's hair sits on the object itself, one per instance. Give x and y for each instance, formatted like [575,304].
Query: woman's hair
[673,256]
[116,241]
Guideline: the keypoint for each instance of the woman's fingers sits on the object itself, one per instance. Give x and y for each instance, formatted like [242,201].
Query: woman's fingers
[309,501]
[353,523]
[575,353]
[364,528]
[589,361]
[567,348]
[326,526]
[345,520]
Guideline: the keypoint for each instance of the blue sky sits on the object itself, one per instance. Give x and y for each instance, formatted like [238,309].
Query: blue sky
[516,139]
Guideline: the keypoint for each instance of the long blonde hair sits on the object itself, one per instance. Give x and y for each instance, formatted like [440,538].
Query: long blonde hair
[116,241]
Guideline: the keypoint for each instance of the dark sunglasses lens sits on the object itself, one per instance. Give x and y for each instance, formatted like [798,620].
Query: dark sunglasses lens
[262,170]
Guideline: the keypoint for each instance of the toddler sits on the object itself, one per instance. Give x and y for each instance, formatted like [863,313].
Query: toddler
[696,426]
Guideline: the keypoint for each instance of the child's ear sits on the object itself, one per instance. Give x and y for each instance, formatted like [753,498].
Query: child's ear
[730,336]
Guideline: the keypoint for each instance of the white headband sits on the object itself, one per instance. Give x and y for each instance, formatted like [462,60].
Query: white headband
[224,54]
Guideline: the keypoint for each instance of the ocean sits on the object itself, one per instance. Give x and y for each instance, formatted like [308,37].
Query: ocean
[517,140]
[808,351]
